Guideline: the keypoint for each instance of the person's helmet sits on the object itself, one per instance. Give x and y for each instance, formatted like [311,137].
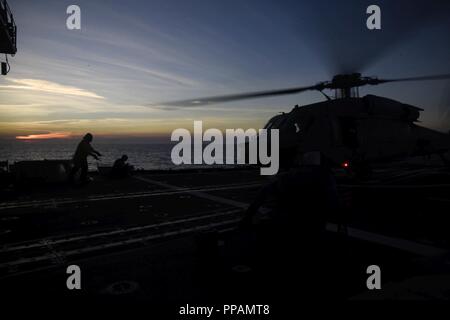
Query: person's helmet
[88,137]
[124,157]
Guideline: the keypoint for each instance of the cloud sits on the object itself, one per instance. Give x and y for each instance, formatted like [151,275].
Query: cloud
[50,87]
[40,136]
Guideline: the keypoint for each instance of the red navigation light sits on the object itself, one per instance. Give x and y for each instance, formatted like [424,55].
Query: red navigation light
[345,164]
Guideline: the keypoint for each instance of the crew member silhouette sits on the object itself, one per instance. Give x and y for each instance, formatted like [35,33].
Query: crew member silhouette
[84,149]
[121,168]
[294,242]
[303,196]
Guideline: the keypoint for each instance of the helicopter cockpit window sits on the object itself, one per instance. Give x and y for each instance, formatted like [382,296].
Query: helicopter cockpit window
[269,124]
[303,125]
[276,123]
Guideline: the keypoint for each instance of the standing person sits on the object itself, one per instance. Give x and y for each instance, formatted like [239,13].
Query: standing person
[84,149]
[295,246]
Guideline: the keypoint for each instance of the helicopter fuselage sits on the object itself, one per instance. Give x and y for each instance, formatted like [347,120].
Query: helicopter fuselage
[367,129]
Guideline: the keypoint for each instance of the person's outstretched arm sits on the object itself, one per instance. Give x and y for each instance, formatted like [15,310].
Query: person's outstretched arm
[94,152]
[94,155]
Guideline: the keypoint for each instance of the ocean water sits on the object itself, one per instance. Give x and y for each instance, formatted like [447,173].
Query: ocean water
[151,156]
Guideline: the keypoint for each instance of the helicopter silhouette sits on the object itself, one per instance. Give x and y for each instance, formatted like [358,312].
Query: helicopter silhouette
[348,130]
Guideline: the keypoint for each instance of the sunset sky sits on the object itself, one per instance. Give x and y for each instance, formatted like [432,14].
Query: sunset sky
[108,77]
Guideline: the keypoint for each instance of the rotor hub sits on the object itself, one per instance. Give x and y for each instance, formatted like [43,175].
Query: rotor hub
[343,81]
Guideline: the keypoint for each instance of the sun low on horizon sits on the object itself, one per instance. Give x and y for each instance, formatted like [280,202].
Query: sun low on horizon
[111,76]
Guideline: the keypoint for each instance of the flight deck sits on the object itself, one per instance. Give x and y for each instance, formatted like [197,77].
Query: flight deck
[144,237]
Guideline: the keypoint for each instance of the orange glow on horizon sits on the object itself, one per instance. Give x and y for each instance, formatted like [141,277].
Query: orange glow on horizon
[43,136]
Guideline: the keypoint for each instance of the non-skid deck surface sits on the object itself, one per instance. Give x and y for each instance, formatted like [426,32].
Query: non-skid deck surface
[137,237]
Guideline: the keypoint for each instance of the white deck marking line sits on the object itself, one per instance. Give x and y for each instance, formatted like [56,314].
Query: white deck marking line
[6,206]
[406,174]
[108,245]
[31,244]
[50,201]
[200,194]
[401,244]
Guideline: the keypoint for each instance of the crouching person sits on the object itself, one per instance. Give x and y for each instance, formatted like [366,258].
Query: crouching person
[121,168]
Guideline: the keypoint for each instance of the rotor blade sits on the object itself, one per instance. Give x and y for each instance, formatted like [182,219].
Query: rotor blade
[425,78]
[332,33]
[240,96]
